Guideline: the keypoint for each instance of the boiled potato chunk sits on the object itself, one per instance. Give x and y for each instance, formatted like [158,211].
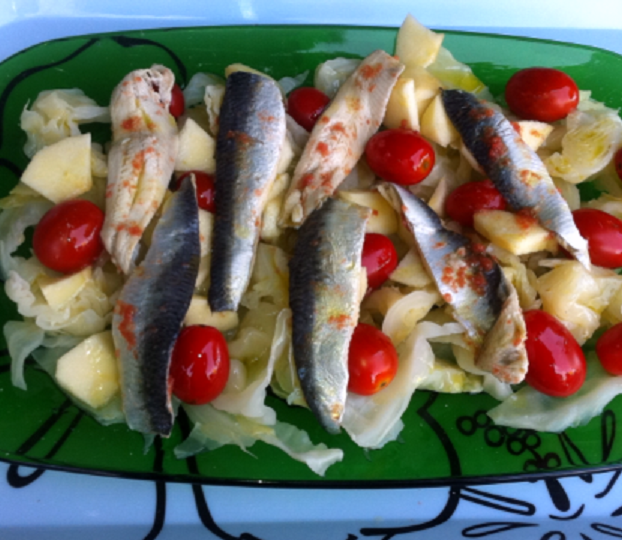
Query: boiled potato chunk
[199,312]
[58,291]
[436,125]
[417,45]
[383,219]
[196,149]
[427,86]
[516,233]
[533,133]
[89,370]
[61,171]
[401,109]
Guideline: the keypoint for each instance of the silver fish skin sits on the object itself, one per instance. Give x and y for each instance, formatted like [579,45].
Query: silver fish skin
[338,139]
[149,313]
[514,168]
[472,282]
[324,285]
[250,137]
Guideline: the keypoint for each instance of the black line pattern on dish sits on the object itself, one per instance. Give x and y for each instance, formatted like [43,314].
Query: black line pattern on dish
[127,41]
[585,536]
[199,491]
[612,482]
[494,527]
[577,514]
[160,486]
[455,471]
[554,535]
[14,478]
[607,432]
[31,71]
[498,502]
[608,530]
[516,441]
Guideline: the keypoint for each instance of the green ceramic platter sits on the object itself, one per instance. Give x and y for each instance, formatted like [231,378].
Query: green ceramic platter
[447,439]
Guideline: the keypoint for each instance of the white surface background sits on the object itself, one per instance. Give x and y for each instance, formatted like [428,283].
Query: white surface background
[70,506]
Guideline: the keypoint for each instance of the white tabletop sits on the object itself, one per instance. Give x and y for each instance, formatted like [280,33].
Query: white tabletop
[72,506]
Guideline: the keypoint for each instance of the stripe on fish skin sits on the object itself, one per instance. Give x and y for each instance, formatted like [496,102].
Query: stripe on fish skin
[514,168]
[250,137]
[150,311]
[325,272]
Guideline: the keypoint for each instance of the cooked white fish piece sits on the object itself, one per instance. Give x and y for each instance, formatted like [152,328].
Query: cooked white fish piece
[141,159]
[339,137]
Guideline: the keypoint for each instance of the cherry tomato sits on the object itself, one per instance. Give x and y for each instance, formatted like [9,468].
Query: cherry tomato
[464,201]
[199,364]
[379,258]
[617,159]
[178,102]
[556,361]
[543,94]
[400,155]
[305,105]
[603,233]
[609,350]
[67,239]
[372,360]
[205,189]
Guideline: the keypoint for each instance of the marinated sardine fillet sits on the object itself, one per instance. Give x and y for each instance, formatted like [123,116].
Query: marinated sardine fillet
[514,168]
[141,159]
[324,286]
[150,311]
[250,138]
[339,137]
[472,283]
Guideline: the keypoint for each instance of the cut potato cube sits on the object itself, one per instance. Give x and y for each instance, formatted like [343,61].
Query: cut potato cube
[427,86]
[533,133]
[514,232]
[199,312]
[196,149]
[417,45]
[411,271]
[436,125]
[89,370]
[401,109]
[61,171]
[58,291]
[383,219]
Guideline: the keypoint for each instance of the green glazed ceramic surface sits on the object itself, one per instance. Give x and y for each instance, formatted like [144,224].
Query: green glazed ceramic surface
[447,439]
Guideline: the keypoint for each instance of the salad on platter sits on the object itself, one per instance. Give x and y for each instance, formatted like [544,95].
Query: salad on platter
[394,228]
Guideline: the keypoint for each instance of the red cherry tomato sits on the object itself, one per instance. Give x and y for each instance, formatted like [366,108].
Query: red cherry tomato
[372,360]
[67,239]
[379,258]
[543,94]
[305,105]
[556,362]
[464,201]
[617,159]
[603,233]
[199,364]
[178,102]
[609,350]
[401,156]
[205,189]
